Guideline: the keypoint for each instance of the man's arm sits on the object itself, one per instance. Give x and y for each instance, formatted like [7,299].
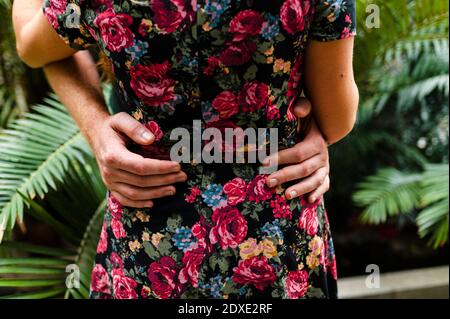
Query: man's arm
[77,83]
[133,180]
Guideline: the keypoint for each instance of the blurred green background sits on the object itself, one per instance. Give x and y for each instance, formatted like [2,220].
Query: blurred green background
[389,199]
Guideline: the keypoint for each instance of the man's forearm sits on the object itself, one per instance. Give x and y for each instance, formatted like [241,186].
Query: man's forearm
[77,84]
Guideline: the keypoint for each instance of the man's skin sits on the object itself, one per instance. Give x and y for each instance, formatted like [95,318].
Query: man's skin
[135,180]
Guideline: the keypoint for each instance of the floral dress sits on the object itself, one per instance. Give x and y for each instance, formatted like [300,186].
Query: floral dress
[227,64]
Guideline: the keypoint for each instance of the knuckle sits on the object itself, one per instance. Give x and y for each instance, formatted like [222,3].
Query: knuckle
[131,194]
[139,168]
[109,158]
[319,144]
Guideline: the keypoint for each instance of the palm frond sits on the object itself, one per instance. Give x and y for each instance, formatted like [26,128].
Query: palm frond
[433,219]
[37,152]
[44,274]
[387,193]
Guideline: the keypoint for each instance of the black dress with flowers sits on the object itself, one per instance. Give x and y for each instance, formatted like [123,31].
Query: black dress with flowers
[226,63]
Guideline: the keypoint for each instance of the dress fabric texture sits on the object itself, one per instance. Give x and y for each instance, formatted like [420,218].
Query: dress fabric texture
[227,64]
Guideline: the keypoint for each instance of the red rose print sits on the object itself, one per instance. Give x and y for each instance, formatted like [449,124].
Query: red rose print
[152,84]
[280,208]
[294,87]
[297,284]
[230,227]
[238,54]
[169,15]
[163,278]
[54,9]
[254,271]
[114,30]
[293,14]
[258,190]
[246,23]
[153,127]
[100,280]
[195,192]
[123,287]
[114,207]
[213,64]
[192,262]
[98,3]
[226,104]
[235,191]
[116,261]
[103,242]
[309,220]
[254,96]
[117,228]
[272,111]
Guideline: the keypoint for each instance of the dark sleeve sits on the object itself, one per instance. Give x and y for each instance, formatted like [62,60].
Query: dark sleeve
[333,20]
[66,17]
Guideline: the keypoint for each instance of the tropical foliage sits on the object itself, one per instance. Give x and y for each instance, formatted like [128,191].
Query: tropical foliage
[404,118]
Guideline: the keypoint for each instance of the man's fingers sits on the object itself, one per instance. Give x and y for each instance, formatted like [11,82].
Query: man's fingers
[132,203]
[118,175]
[320,191]
[136,131]
[121,158]
[302,107]
[308,184]
[143,193]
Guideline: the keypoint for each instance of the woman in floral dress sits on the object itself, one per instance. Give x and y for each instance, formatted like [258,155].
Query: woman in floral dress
[230,64]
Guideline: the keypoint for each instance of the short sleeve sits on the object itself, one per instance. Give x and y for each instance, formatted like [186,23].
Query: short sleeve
[66,17]
[333,20]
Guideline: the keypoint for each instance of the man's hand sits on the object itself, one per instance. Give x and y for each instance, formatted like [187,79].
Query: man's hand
[309,161]
[132,179]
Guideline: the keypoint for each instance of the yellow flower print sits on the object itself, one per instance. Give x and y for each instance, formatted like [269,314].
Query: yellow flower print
[249,248]
[281,66]
[146,291]
[269,51]
[315,246]
[138,115]
[206,27]
[268,248]
[287,67]
[278,65]
[143,217]
[148,24]
[145,236]
[312,261]
[269,60]
[156,238]
[134,245]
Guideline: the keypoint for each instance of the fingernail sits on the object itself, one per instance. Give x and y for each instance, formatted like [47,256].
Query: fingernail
[273,182]
[147,136]
[293,194]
